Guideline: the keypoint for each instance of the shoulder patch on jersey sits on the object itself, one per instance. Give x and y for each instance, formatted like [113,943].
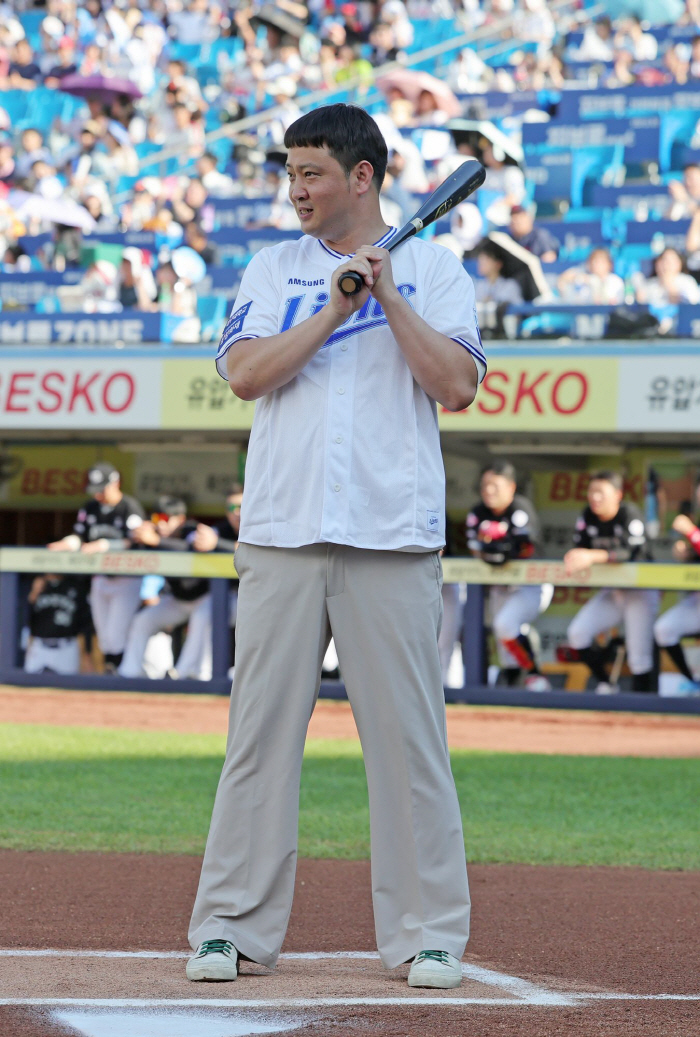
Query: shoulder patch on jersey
[234,324]
[519,518]
[133,521]
[580,523]
[81,515]
[472,520]
[636,527]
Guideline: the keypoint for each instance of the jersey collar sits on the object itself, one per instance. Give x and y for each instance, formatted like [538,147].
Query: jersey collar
[378,244]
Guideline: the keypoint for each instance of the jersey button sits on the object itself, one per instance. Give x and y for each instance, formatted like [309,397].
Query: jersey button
[344,347]
[337,487]
[341,392]
[339,439]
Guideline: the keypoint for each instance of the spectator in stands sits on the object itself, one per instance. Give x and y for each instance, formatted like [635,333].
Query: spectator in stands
[96,201]
[43,179]
[119,159]
[677,61]
[491,286]
[695,57]
[193,205]
[670,284]
[593,284]
[186,599]
[7,161]
[631,36]
[622,74]
[597,43]
[137,287]
[188,132]
[383,44]
[31,148]
[684,194]
[537,240]
[216,184]
[534,23]
[505,179]
[197,239]
[66,63]
[24,73]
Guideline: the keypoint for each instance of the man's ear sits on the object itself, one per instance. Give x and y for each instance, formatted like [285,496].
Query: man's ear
[362,175]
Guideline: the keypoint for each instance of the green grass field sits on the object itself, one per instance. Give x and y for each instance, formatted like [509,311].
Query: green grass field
[149,792]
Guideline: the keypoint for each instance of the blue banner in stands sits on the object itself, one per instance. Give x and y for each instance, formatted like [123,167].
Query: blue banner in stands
[658,233]
[551,175]
[26,289]
[138,238]
[626,101]
[631,197]
[688,321]
[105,329]
[237,243]
[239,212]
[639,136]
[497,105]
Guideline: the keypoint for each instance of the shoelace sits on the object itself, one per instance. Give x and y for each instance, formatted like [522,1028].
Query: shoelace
[441,957]
[215,947]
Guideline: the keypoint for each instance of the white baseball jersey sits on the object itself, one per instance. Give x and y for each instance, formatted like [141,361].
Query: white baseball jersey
[348,451]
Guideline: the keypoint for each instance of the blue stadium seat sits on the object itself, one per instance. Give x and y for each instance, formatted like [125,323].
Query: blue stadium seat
[590,165]
[211,310]
[677,128]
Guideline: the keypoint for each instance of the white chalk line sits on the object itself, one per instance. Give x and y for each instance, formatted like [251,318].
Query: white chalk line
[521,991]
[324,1002]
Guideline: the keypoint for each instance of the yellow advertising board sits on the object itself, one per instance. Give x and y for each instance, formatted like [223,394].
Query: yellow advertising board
[542,394]
[53,476]
[520,393]
[195,397]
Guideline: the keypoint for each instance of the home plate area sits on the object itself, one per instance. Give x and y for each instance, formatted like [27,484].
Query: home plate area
[145,994]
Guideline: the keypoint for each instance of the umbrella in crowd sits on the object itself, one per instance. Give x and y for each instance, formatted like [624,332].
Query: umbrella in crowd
[61,210]
[475,131]
[412,84]
[521,265]
[99,88]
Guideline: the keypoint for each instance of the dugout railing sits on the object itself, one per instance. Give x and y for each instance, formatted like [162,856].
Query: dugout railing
[17,563]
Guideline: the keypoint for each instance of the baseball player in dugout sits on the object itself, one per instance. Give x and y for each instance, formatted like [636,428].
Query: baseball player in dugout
[107,522]
[611,530]
[683,619]
[342,524]
[185,600]
[504,526]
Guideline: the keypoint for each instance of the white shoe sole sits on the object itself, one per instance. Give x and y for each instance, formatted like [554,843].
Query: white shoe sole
[213,972]
[434,979]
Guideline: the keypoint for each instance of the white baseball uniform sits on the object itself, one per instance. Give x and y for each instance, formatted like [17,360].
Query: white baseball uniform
[341,527]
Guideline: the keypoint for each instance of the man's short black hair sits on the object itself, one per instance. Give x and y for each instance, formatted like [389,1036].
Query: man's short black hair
[499,466]
[167,504]
[608,475]
[349,133]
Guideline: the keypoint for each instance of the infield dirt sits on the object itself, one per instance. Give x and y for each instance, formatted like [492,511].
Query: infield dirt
[586,929]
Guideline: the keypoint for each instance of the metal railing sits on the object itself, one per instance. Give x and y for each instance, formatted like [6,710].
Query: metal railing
[219,568]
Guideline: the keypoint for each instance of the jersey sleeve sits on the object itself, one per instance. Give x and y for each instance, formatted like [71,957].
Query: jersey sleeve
[451,307]
[255,311]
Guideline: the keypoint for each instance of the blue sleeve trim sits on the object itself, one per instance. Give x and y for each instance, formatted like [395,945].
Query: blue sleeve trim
[223,350]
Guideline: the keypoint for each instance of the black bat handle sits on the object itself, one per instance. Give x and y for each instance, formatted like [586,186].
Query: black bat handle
[351,282]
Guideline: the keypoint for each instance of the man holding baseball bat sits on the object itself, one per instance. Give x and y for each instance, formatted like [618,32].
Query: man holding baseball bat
[341,528]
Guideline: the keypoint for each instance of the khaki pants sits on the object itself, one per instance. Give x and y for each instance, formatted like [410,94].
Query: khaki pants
[383,609]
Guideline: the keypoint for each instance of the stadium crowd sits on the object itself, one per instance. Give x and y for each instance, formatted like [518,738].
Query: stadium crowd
[114,116]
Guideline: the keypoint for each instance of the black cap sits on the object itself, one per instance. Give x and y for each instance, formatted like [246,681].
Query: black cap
[100,476]
[167,504]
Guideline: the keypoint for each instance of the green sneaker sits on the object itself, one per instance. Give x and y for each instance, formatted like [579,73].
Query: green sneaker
[215,960]
[435,969]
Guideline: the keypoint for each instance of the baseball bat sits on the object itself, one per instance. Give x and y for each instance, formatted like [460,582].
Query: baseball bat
[458,186]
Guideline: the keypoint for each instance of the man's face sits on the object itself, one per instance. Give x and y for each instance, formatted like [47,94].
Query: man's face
[497,491]
[31,140]
[520,224]
[691,178]
[603,498]
[110,495]
[319,190]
